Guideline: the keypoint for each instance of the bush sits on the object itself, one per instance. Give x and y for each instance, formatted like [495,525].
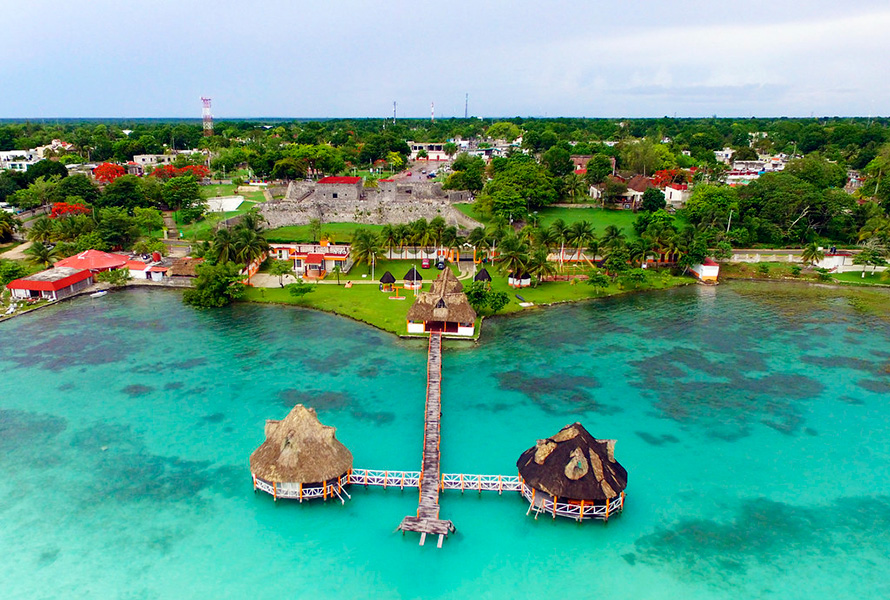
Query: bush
[115,277]
[763,269]
[795,270]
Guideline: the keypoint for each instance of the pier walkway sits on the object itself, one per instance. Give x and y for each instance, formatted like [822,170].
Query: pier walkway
[427,519]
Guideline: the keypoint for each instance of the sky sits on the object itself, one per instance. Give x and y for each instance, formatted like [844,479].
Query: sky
[353,58]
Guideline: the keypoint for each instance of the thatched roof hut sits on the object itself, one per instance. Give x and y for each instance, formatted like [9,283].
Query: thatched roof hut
[299,449]
[387,278]
[185,267]
[413,275]
[444,308]
[482,275]
[573,465]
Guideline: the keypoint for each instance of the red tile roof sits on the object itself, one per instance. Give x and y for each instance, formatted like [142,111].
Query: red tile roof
[352,180]
[135,265]
[94,260]
[45,281]
[315,259]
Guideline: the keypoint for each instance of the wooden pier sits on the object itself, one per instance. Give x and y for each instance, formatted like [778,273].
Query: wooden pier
[427,520]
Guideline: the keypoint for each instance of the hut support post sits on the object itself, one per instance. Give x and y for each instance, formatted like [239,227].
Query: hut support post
[252,476]
[581,514]
[608,506]
[275,491]
[554,507]
[301,493]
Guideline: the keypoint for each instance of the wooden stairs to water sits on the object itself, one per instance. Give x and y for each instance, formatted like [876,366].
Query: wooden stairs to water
[427,520]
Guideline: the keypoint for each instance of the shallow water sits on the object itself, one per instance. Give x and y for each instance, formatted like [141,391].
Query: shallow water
[753,425]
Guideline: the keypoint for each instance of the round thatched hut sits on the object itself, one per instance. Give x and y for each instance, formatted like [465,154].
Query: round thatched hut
[483,275]
[573,475]
[413,279]
[387,281]
[301,458]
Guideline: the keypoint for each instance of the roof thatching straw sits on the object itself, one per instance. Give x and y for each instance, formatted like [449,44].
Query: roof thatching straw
[299,449]
[444,302]
[573,465]
[482,275]
[387,278]
[413,275]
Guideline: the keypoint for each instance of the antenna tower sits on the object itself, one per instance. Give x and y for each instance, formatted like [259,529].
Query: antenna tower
[393,112]
[207,117]
[432,112]
[466,105]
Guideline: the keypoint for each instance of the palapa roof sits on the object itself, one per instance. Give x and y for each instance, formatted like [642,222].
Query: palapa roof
[185,267]
[413,275]
[482,275]
[573,465]
[444,302]
[299,449]
[387,278]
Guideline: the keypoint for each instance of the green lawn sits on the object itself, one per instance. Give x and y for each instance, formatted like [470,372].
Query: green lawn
[366,303]
[339,232]
[870,278]
[399,268]
[598,217]
[206,227]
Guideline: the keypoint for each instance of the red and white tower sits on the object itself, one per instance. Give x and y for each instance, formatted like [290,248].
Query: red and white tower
[207,117]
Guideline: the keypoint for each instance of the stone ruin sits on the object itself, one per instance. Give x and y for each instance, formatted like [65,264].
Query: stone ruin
[391,202]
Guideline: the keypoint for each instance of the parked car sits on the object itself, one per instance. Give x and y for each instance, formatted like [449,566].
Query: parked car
[425,263]
[440,265]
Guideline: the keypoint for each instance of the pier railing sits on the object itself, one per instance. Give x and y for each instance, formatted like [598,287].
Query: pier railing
[543,504]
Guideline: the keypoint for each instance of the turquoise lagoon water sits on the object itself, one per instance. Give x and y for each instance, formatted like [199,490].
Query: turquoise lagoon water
[753,424]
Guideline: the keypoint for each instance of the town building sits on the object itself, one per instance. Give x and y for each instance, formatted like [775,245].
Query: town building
[313,261]
[339,188]
[706,271]
[95,261]
[52,284]
[677,194]
[434,150]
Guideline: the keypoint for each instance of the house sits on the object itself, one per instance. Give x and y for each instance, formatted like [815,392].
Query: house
[95,261]
[434,150]
[443,309]
[677,194]
[343,188]
[184,269]
[17,160]
[313,261]
[52,284]
[706,271]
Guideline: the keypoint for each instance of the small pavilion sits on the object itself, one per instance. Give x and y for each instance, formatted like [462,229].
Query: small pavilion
[386,282]
[301,459]
[573,475]
[483,276]
[520,280]
[443,309]
[413,279]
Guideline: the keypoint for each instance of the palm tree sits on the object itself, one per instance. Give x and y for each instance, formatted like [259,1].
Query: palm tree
[41,254]
[315,229]
[612,236]
[451,240]
[223,249]
[812,254]
[41,230]
[419,233]
[559,233]
[402,235]
[249,246]
[575,186]
[640,250]
[389,238]
[365,247]
[538,266]
[253,221]
[580,234]
[8,226]
[513,256]
[436,227]
[476,238]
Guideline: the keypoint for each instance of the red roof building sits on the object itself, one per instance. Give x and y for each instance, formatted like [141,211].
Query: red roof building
[94,261]
[52,284]
[340,180]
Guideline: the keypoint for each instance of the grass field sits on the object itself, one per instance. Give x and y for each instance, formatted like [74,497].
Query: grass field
[338,232]
[856,277]
[366,303]
[598,217]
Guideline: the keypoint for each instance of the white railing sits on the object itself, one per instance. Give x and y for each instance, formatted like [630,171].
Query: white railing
[399,479]
[298,491]
[543,504]
[480,483]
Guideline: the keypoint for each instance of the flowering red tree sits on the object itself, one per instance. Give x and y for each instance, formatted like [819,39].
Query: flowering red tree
[668,176]
[169,171]
[108,172]
[63,209]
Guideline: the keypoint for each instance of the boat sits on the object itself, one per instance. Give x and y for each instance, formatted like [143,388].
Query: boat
[98,294]
[520,298]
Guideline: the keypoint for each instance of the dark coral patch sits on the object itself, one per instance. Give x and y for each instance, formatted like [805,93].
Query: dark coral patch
[317,399]
[137,389]
[173,385]
[657,440]
[874,385]
[559,393]
[22,431]
[214,418]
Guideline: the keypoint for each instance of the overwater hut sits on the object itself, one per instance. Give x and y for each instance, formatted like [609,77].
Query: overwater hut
[573,475]
[413,279]
[519,281]
[443,309]
[386,282]
[301,459]
[483,276]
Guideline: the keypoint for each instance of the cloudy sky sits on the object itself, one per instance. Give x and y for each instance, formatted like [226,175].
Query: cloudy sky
[307,58]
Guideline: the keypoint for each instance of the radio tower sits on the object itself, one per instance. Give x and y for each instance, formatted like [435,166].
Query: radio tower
[432,112]
[207,117]
[393,112]
[466,104]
